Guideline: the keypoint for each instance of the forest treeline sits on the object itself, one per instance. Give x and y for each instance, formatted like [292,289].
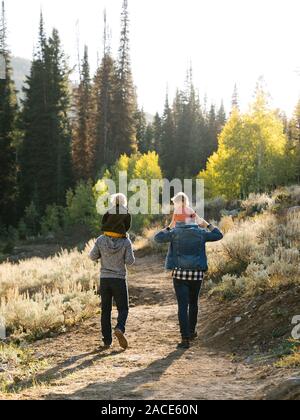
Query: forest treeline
[62,139]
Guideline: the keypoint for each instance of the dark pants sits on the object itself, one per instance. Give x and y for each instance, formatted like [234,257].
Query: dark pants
[113,289]
[187,293]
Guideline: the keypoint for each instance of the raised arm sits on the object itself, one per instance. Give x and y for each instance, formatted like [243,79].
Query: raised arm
[164,236]
[214,234]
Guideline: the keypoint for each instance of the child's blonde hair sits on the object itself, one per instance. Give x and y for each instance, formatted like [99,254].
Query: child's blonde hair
[181,199]
[118,200]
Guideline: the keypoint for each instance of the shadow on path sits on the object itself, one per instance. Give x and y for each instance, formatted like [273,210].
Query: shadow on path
[126,387]
[62,370]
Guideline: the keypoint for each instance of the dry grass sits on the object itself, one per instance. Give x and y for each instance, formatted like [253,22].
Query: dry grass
[256,254]
[60,271]
[257,203]
[41,296]
[145,245]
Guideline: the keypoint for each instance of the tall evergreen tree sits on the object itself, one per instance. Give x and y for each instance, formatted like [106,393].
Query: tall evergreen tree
[212,133]
[167,149]
[282,115]
[189,138]
[8,111]
[221,118]
[157,133]
[188,133]
[149,138]
[125,103]
[141,127]
[148,134]
[82,147]
[235,103]
[60,107]
[46,148]
[294,139]
[104,114]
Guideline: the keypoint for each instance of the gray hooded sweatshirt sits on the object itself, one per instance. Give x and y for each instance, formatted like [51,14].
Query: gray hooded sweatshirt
[115,254]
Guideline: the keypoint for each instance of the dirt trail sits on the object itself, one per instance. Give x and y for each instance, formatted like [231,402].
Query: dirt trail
[151,368]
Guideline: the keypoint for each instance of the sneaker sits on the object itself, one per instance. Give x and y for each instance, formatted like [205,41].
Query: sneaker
[185,344]
[121,338]
[104,347]
[194,336]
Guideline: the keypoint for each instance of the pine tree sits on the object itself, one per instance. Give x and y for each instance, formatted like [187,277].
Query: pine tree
[157,133]
[35,145]
[189,133]
[167,149]
[141,127]
[193,133]
[294,140]
[221,118]
[235,98]
[149,139]
[285,121]
[125,103]
[8,113]
[82,147]
[46,148]
[104,115]
[148,134]
[60,124]
[212,132]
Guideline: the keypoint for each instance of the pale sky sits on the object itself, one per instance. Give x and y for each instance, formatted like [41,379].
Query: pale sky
[227,41]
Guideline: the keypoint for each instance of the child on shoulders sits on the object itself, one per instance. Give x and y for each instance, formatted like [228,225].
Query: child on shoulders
[183,212]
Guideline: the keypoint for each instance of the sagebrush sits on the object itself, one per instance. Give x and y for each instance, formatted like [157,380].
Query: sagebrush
[39,296]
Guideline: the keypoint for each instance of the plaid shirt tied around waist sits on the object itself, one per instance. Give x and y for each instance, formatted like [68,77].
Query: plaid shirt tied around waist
[188,275]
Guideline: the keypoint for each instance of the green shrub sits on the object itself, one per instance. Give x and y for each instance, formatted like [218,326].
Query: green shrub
[292,359]
[81,208]
[22,229]
[8,248]
[53,221]
[13,233]
[9,238]
[19,364]
[32,220]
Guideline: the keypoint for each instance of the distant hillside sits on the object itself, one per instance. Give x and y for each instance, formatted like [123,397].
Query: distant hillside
[21,68]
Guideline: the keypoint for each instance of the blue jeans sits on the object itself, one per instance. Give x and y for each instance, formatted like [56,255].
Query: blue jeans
[113,289]
[187,293]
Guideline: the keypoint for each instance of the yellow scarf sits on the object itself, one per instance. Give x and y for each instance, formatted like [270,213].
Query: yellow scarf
[114,235]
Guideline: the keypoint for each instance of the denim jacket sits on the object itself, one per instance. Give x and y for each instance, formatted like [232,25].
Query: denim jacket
[187,248]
